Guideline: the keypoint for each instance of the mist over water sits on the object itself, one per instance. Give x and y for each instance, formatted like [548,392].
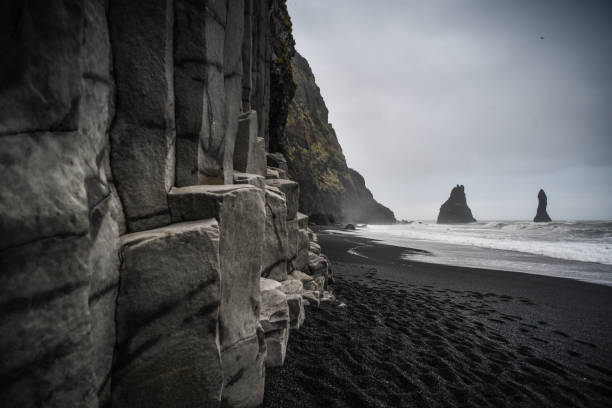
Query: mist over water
[574,249]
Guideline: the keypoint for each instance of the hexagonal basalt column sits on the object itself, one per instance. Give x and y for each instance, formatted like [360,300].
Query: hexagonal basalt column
[168,352]
[241,215]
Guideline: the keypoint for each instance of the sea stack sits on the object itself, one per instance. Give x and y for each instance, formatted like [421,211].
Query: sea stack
[455,210]
[542,215]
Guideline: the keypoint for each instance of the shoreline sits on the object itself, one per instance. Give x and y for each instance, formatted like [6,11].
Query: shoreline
[420,334]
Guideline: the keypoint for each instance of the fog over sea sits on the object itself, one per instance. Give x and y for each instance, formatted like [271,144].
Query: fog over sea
[579,250]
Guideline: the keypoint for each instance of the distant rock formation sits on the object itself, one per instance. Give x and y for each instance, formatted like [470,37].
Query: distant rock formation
[330,191]
[455,210]
[542,215]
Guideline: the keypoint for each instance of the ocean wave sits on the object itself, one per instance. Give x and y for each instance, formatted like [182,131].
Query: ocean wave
[575,241]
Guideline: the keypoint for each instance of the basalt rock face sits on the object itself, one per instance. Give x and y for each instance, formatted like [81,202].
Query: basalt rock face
[131,249]
[329,189]
[455,210]
[541,214]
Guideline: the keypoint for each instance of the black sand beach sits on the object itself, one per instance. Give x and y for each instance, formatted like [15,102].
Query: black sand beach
[423,335]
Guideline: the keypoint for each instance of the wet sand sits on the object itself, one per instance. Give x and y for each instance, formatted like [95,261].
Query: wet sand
[423,335]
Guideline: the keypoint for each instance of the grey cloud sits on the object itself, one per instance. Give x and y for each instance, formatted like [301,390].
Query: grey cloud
[427,94]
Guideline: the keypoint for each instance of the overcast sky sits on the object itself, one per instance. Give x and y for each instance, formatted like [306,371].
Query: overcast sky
[428,94]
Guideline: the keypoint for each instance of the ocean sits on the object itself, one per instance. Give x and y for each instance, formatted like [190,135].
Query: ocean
[579,250]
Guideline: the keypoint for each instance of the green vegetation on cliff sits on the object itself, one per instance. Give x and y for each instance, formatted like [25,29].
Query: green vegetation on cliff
[328,186]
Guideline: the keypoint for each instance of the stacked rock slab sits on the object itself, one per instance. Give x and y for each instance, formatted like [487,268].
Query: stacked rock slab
[168,317]
[132,237]
[241,215]
[274,318]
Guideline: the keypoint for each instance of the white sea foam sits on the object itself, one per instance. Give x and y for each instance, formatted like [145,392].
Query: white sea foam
[575,241]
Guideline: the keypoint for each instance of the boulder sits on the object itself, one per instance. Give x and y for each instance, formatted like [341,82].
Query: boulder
[455,210]
[308,282]
[294,290]
[349,227]
[276,244]
[168,318]
[291,189]
[275,319]
[317,264]
[312,297]
[541,214]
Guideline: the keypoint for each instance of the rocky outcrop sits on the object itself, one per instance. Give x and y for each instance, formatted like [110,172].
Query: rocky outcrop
[541,214]
[136,220]
[329,190]
[455,210]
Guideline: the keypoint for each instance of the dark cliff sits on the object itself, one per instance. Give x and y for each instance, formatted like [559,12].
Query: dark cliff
[541,214]
[455,210]
[330,190]
[138,228]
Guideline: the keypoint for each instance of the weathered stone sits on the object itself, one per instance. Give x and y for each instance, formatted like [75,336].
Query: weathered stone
[252,179]
[232,75]
[196,73]
[259,162]
[291,189]
[103,259]
[274,318]
[327,297]
[247,56]
[292,234]
[321,282]
[294,290]
[46,195]
[244,369]
[291,287]
[273,173]
[40,66]
[302,220]
[46,344]
[266,284]
[317,264]
[314,247]
[274,262]
[245,149]
[312,236]
[303,245]
[142,135]
[241,215]
[278,161]
[168,318]
[312,296]
[307,281]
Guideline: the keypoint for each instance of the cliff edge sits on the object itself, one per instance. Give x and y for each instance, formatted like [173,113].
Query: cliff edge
[330,190]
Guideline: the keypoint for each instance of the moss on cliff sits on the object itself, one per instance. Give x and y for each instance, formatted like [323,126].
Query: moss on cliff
[315,158]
